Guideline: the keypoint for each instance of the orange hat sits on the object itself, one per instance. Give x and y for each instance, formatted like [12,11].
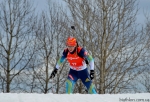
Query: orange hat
[71,41]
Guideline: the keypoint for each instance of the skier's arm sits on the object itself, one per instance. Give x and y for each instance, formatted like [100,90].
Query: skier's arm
[87,56]
[91,61]
[61,60]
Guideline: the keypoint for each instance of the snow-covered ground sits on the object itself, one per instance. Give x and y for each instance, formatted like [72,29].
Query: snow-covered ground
[33,97]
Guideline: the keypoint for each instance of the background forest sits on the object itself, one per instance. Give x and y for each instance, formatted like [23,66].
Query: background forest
[31,43]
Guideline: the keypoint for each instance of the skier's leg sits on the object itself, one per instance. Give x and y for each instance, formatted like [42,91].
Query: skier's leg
[85,77]
[71,80]
[92,89]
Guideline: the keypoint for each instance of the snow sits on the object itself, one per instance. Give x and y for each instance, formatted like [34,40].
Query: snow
[35,97]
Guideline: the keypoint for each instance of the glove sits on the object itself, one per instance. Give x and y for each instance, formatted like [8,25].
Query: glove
[53,73]
[92,74]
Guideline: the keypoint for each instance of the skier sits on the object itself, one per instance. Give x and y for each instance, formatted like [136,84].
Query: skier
[77,58]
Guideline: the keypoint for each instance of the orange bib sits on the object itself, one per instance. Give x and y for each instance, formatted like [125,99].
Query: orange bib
[75,61]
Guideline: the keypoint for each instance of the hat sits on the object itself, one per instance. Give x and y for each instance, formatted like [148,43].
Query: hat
[71,41]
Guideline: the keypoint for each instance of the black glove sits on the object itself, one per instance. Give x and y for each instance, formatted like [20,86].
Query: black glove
[53,73]
[92,74]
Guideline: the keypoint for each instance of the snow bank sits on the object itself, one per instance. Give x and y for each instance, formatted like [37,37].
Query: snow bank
[33,97]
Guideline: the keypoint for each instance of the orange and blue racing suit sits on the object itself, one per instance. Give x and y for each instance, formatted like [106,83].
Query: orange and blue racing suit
[78,69]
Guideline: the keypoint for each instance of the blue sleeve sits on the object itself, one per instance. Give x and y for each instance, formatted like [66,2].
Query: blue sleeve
[84,54]
[61,59]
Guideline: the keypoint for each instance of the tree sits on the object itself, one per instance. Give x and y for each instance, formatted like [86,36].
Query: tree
[144,79]
[16,51]
[109,30]
[50,35]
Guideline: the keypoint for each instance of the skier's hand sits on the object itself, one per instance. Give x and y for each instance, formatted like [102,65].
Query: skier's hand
[53,73]
[92,74]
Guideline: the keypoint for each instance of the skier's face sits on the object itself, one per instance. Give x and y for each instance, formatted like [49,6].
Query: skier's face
[71,48]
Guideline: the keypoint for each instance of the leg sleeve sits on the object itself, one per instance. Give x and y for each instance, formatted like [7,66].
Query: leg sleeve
[69,86]
[70,82]
[85,77]
[92,89]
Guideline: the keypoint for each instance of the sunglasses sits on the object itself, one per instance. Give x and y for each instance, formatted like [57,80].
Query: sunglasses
[70,46]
